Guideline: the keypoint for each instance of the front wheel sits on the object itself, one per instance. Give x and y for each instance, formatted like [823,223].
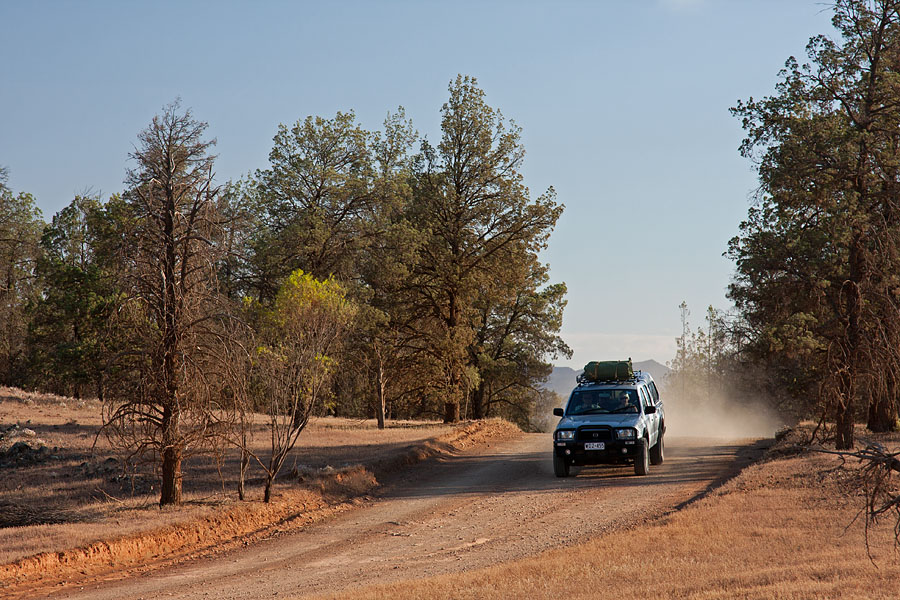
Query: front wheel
[560,466]
[658,452]
[642,460]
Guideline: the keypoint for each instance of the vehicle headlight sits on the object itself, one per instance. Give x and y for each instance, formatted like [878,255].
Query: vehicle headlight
[625,434]
[565,434]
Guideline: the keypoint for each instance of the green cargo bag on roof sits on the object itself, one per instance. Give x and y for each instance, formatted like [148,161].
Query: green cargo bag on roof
[608,370]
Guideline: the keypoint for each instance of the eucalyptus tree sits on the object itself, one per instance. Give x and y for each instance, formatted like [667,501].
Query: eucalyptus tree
[295,362]
[241,220]
[382,335]
[416,239]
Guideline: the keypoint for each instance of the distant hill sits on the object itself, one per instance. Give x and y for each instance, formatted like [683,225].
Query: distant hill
[657,370]
[562,379]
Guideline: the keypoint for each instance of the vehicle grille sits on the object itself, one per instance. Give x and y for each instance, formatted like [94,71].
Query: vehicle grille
[594,434]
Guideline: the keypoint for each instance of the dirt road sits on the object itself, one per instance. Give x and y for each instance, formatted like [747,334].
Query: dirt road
[458,514]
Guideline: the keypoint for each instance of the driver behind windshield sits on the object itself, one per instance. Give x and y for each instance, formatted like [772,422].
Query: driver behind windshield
[627,399]
[603,401]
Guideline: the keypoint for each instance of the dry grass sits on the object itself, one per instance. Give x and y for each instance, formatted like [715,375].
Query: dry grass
[85,499]
[782,529]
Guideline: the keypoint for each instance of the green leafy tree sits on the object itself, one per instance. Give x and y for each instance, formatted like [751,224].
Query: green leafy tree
[68,330]
[828,164]
[301,335]
[316,200]
[787,290]
[713,380]
[382,337]
[699,371]
[519,318]
[240,209]
[20,233]
[470,202]
[418,241]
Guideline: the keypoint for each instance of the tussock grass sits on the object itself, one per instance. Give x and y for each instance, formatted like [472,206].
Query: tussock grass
[782,529]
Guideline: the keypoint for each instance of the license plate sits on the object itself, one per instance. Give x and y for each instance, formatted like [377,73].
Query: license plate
[595,446]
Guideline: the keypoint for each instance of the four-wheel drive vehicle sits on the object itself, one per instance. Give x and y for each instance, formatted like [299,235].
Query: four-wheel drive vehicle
[610,421]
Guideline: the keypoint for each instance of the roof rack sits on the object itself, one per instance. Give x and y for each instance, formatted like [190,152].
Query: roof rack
[582,381]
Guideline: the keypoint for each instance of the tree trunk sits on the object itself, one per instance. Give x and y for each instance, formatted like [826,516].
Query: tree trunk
[240,485]
[451,405]
[850,389]
[275,462]
[882,416]
[267,494]
[451,411]
[380,401]
[171,467]
[170,492]
[844,433]
[478,408]
[242,473]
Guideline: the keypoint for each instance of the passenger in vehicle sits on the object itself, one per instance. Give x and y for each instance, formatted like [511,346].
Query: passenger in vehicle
[627,399]
[580,403]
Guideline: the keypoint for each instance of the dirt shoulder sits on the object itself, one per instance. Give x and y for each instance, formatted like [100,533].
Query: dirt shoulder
[120,537]
[460,512]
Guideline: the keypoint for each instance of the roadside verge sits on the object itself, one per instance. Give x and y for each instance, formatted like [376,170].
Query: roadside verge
[322,494]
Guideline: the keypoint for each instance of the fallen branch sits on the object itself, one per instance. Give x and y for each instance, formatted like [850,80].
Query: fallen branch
[108,496]
[877,478]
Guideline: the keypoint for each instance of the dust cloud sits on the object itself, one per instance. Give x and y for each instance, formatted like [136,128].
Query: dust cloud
[699,413]
[693,410]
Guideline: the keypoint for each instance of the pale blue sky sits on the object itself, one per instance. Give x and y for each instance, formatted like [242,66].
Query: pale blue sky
[624,106]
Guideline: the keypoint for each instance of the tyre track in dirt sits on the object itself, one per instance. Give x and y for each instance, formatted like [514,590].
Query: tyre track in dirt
[463,512]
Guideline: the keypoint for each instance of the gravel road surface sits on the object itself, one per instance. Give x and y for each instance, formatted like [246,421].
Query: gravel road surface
[464,512]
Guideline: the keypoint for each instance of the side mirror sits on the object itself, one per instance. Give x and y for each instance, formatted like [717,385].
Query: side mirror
[650,410]
[558,412]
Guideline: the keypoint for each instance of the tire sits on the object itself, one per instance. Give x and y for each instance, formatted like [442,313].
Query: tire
[658,452]
[560,466]
[642,460]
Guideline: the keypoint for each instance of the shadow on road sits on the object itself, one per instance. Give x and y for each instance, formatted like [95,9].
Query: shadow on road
[687,460]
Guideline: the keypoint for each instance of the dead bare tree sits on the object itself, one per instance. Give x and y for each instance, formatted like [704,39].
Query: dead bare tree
[235,359]
[168,407]
[877,476]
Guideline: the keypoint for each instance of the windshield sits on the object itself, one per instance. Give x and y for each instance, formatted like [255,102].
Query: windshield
[585,402]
